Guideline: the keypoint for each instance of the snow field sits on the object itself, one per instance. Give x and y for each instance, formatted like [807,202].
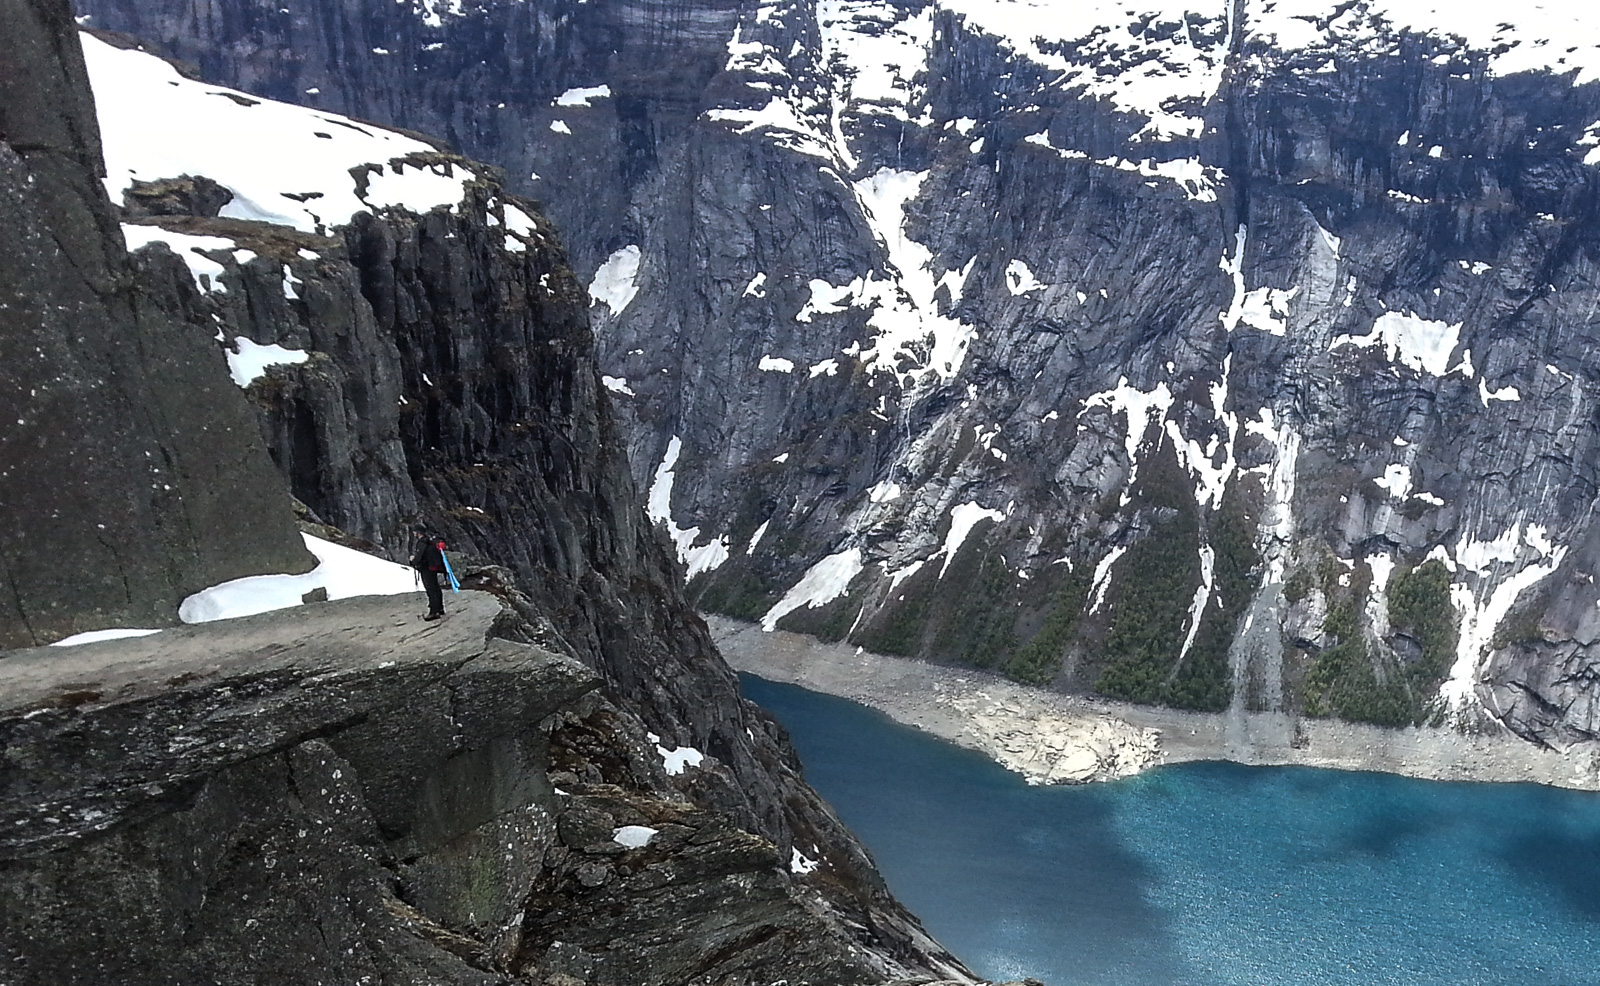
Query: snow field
[344,572]
[156,124]
[824,582]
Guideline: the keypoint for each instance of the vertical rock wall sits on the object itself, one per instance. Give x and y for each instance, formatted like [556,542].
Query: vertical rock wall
[130,471]
[450,377]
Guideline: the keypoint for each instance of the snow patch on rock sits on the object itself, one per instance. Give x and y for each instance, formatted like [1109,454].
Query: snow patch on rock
[1020,280]
[344,572]
[1503,394]
[191,249]
[249,360]
[824,582]
[614,284]
[910,327]
[582,96]
[1422,344]
[95,636]
[755,538]
[963,518]
[1140,409]
[633,836]
[658,507]
[800,863]
[676,761]
[1490,576]
[1396,480]
[1153,58]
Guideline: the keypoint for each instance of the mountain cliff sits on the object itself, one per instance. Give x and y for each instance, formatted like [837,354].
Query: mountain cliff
[131,474]
[413,346]
[1230,355]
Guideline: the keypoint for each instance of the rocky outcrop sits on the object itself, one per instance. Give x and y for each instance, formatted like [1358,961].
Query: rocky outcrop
[1099,348]
[451,379]
[436,364]
[343,793]
[130,470]
[407,333]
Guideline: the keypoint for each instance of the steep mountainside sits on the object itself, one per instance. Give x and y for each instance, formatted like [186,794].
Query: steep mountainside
[1230,355]
[414,345]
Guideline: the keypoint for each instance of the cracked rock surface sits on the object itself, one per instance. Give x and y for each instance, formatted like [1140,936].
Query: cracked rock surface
[342,792]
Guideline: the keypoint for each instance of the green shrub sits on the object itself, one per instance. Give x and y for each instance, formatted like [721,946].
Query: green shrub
[975,625]
[1419,605]
[1154,589]
[1038,661]
[828,623]
[1342,682]
[1297,586]
[898,628]
[1155,586]
[1205,679]
[734,590]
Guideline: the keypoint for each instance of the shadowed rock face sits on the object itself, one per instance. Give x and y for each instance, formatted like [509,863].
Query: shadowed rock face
[1165,422]
[200,804]
[341,793]
[130,473]
[453,379]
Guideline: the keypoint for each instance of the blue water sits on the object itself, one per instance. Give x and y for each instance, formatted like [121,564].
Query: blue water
[1213,874]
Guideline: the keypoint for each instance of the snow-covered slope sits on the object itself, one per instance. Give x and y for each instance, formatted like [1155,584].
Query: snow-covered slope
[283,165]
[155,124]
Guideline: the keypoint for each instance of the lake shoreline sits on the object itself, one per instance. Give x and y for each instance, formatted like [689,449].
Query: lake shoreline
[1049,737]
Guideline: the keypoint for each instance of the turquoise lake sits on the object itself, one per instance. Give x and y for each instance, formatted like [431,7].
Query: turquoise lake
[1213,874]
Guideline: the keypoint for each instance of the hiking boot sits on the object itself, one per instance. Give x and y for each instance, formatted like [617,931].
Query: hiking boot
[434,616]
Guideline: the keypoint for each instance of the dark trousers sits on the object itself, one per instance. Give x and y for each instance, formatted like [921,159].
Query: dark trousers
[430,582]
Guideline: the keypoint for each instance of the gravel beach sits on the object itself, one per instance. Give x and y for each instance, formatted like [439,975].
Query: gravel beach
[1052,738]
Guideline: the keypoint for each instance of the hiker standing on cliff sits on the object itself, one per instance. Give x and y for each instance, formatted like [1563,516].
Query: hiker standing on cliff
[428,559]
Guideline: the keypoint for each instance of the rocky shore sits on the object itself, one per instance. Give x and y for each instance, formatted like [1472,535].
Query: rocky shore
[1051,738]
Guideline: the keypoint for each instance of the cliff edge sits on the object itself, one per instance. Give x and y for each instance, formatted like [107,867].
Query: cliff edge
[337,792]
[341,793]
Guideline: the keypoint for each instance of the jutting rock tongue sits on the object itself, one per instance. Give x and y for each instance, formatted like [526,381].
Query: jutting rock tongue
[131,469]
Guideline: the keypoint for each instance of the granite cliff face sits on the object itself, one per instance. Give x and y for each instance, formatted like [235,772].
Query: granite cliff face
[411,340]
[130,471]
[1226,357]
